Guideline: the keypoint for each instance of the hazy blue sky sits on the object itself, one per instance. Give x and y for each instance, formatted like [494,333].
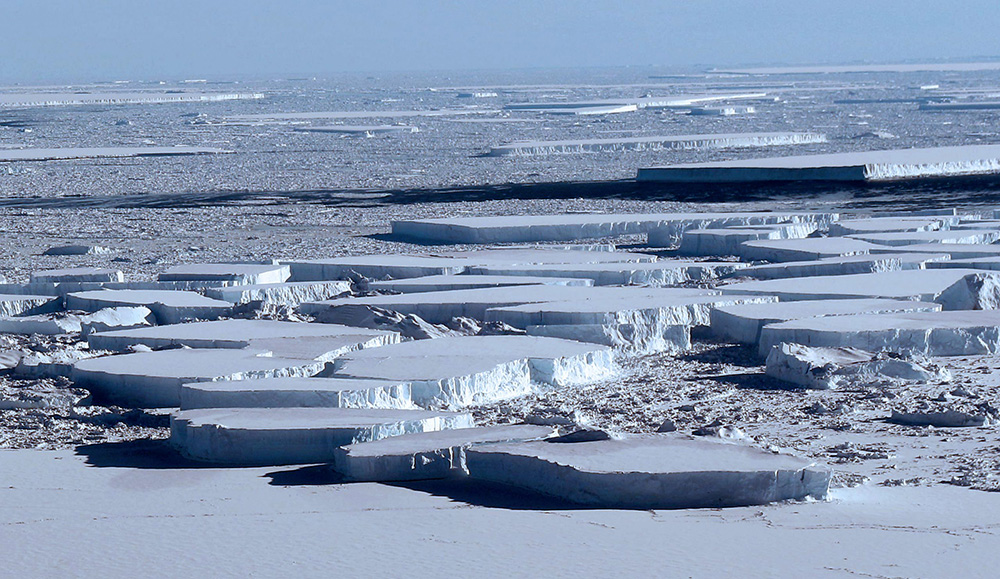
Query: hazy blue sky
[142,39]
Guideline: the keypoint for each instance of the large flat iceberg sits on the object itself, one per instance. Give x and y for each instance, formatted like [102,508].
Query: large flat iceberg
[889,165]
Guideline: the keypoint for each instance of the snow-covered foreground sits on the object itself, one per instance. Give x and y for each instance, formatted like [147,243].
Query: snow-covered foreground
[167,519]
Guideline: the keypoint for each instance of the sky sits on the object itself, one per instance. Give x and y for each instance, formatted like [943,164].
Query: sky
[52,40]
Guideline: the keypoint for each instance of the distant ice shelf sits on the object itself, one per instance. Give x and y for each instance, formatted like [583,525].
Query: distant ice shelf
[961,106]
[655,143]
[886,165]
[117,98]
[852,68]
[101,152]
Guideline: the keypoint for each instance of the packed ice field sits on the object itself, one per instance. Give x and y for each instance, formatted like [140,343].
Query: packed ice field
[375,365]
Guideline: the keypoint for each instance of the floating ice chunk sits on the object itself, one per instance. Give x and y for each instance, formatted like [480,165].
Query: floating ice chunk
[42,324]
[659,143]
[427,455]
[897,239]
[436,283]
[726,111]
[743,323]
[948,418]
[299,392]
[272,436]
[803,249]
[77,250]
[987,263]
[848,265]
[154,379]
[63,323]
[890,224]
[367,130]
[831,368]
[237,334]
[657,471]
[120,318]
[956,333]
[467,370]
[637,325]
[285,294]
[78,274]
[728,241]
[954,250]
[245,274]
[928,285]
[169,307]
[571,227]
[656,274]
[441,307]
[447,263]
[889,165]
[629,337]
[22,305]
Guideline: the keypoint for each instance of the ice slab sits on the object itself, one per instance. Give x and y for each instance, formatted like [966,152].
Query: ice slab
[22,305]
[952,288]
[285,294]
[987,263]
[570,227]
[260,334]
[240,273]
[955,250]
[655,143]
[651,472]
[728,241]
[744,323]
[299,392]
[45,99]
[890,224]
[803,249]
[427,455]
[726,111]
[831,368]
[852,264]
[888,165]
[272,436]
[955,333]
[169,307]
[61,288]
[903,238]
[437,283]
[478,369]
[154,379]
[387,114]
[367,130]
[65,323]
[78,274]
[10,155]
[441,307]
[446,263]
[77,250]
[636,325]
[657,274]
